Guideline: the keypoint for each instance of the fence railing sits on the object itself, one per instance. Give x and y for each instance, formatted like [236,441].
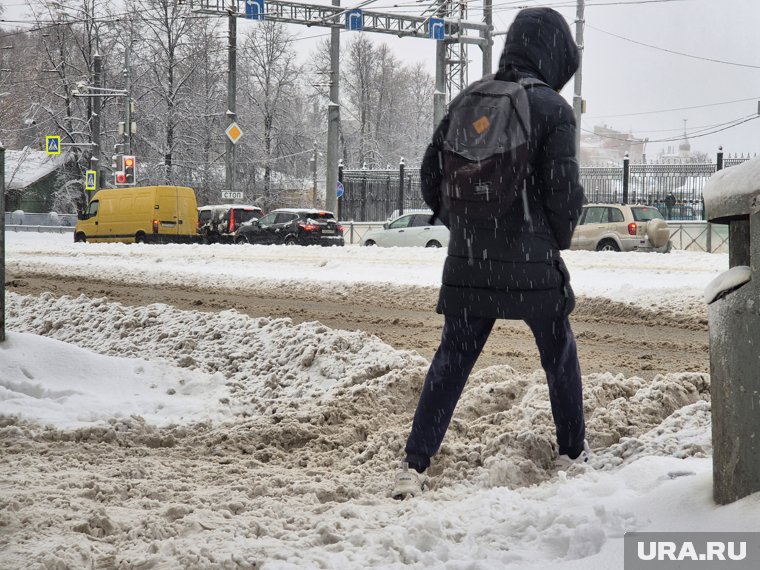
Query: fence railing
[674,188]
[689,236]
[21,218]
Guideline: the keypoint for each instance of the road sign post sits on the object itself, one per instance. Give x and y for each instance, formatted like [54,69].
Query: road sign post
[234,132]
[254,9]
[2,243]
[354,20]
[436,29]
[53,144]
[91,180]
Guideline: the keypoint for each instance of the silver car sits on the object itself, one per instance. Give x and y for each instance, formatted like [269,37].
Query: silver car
[407,230]
[621,227]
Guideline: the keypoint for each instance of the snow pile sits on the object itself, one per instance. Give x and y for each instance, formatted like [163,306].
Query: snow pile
[262,360]
[52,382]
[297,475]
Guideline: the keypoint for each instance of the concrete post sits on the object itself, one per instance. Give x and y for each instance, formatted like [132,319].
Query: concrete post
[732,196]
[2,243]
[229,155]
[577,92]
[340,200]
[401,169]
[97,105]
[333,121]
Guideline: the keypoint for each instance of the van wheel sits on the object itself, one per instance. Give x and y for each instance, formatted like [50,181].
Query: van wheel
[140,238]
[433,243]
[79,237]
[607,245]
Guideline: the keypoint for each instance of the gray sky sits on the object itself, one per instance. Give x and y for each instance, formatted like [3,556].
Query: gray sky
[624,82]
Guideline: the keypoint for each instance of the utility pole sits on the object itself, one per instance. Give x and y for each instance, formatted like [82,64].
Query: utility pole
[229,155]
[97,105]
[2,243]
[439,95]
[577,97]
[487,35]
[314,176]
[333,120]
[128,109]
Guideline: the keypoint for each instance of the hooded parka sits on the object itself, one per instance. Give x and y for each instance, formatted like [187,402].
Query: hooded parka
[514,270]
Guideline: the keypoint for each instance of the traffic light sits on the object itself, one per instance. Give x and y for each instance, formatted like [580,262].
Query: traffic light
[130,167]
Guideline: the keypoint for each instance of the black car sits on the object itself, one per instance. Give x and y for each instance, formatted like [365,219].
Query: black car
[292,226]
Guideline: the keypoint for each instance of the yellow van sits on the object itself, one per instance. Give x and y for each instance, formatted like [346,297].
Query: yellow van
[149,214]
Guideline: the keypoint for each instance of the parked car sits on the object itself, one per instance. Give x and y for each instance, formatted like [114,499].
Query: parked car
[621,227]
[218,222]
[410,229]
[292,226]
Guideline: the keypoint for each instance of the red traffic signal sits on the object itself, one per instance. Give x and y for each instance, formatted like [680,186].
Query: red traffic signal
[121,178]
[130,167]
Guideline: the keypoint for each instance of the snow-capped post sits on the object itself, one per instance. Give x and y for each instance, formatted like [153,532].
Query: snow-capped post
[626,176]
[401,168]
[339,209]
[2,242]
[364,193]
[732,196]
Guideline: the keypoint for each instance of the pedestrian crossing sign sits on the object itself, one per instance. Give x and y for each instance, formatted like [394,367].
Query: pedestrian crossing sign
[91,179]
[53,144]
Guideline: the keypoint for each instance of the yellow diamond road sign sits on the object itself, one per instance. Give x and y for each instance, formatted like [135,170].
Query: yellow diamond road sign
[233,132]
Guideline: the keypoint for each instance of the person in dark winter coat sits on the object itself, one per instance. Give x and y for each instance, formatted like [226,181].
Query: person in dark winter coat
[514,271]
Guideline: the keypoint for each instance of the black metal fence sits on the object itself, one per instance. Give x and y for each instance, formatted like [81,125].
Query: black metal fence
[674,188]
[373,195]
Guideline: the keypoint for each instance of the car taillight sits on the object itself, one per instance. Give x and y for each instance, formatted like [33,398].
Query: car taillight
[309,227]
[632,227]
[341,229]
[232,221]
[155,226]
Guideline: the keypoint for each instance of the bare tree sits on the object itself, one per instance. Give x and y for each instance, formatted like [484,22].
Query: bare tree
[270,87]
[170,61]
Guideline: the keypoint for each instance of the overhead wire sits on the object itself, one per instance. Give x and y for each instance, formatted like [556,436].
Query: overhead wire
[672,51]
[675,109]
[702,132]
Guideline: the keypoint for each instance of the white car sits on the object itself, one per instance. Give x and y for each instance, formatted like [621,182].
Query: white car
[410,229]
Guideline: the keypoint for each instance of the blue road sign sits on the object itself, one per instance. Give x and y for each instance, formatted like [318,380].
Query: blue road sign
[354,20]
[340,190]
[436,29]
[90,182]
[254,9]
[53,144]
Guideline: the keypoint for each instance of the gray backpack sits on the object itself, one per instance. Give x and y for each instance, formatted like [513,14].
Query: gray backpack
[485,150]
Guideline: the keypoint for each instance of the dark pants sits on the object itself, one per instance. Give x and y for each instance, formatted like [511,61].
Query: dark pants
[461,343]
